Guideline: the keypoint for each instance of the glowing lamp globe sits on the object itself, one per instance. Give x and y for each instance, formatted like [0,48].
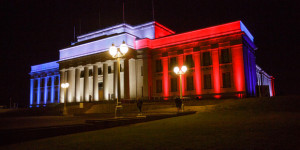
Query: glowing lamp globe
[67,85]
[176,70]
[183,69]
[113,50]
[123,48]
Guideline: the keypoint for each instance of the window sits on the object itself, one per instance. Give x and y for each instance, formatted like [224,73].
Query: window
[49,95]
[90,72]
[121,69]
[142,71]
[49,82]
[173,84]
[42,82]
[35,83]
[42,96]
[158,65]
[206,60]
[189,61]
[81,74]
[56,82]
[56,94]
[189,83]
[225,56]
[109,69]
[99,71]
[100,85]
[226,80]
[207,81]
[173,63]
[158,86]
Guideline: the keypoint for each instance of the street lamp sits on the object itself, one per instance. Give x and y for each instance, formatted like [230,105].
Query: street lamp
[180,71]
[118,53]
[65,86]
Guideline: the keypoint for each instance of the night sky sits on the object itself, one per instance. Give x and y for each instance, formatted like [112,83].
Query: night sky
[32,32]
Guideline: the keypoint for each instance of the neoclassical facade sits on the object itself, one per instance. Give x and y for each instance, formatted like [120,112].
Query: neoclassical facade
[220,61]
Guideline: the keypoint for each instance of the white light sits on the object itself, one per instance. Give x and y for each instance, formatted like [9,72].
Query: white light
[67,85]
[124,48]
[113,50]
[183,69]
[176,70]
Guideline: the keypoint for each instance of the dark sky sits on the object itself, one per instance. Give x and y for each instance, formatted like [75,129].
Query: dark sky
[32,32]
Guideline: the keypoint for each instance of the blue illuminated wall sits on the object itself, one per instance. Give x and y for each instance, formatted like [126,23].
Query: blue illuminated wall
[44,84]
[249,65]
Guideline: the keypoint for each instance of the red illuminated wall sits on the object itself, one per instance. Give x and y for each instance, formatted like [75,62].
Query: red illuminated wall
[180,64]
[216,70]
[161,31]
[197,73]
[238,68]
[165,78]
[212,40]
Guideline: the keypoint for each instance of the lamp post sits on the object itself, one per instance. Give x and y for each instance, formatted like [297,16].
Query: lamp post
[65,86]
[118,53]
[180,72]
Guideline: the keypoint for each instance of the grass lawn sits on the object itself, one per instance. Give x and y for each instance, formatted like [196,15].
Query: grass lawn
[232,124]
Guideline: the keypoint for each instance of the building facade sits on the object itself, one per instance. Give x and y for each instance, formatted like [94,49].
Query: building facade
[220,61]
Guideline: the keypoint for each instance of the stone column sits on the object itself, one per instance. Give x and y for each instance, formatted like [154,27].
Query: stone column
[132,78]
[62,80]
[86,84]
[197,73]
[105,82]
[165,78]
[58,90]
[52,89]
[72,84]
[69,90]
[38,99]
[95,83]
[116,80]
[31,91]
[45,90]
[77,84]
[216,70]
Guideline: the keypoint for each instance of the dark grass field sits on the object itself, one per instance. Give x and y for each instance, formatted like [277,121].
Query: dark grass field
[267,123]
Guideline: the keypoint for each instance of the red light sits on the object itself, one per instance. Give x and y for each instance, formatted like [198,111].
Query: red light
[238,68]
[197,73]
[180,63]
[165,76]
[224,29]
[216,70]
[217,96]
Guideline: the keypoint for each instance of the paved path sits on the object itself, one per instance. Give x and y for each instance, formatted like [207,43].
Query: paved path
[37,130]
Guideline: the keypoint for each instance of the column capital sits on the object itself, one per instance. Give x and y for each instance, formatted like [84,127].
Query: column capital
[87,65]
[79,67]
[98,64]
[71,68]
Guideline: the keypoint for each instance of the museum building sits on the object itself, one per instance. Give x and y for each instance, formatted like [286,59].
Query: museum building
[220,63]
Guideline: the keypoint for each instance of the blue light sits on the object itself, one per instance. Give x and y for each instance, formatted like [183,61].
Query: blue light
[45,66]
[52,89]
[39,91]
[31,91]
[243,28]
[45,90]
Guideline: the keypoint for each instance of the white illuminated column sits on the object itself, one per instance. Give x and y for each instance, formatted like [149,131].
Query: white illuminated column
[65,86]
[180,72]
[118,53]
